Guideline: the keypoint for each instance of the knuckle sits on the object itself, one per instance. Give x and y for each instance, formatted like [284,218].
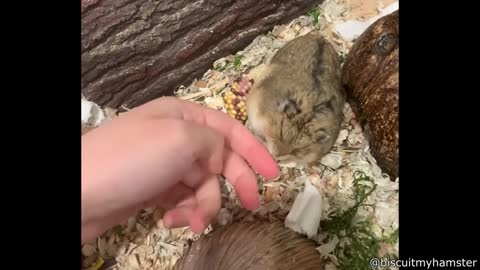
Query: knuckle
[167,99]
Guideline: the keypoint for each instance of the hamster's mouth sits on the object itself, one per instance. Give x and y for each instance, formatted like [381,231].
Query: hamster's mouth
[287,159]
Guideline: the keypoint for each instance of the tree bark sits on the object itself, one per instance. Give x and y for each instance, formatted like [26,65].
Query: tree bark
[134,51]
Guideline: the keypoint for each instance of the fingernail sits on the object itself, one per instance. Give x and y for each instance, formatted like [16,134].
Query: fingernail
[167,223]
[275,179]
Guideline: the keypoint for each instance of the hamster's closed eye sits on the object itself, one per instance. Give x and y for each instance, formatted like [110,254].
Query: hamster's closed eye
[322,136]
[325,107]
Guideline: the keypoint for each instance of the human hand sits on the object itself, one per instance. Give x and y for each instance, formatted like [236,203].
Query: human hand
[168,153]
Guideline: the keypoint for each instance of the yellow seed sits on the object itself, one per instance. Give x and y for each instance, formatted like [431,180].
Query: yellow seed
[242,110]
[233,112]
[244,118]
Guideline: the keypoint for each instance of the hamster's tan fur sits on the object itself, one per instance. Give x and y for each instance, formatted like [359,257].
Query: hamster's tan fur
[296,102]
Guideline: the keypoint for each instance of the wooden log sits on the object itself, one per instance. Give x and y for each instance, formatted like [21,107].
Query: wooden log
[370,75]
[134,51]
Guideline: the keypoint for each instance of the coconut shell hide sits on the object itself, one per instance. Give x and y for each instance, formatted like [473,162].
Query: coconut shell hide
[370,76]
[252,245]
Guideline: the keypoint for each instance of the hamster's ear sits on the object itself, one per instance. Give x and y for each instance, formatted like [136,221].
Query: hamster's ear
[289,107]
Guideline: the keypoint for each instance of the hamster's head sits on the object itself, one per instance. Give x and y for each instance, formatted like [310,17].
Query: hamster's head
[293,135]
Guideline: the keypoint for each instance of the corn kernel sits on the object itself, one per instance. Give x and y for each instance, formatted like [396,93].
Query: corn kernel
[235,103]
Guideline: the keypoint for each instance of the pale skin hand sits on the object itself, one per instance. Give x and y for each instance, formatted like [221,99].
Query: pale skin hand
[168,153]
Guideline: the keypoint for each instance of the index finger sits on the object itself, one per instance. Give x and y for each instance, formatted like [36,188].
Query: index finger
[238,137]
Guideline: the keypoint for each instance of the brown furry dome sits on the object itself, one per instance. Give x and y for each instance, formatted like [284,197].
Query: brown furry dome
[252,245]
[370,76]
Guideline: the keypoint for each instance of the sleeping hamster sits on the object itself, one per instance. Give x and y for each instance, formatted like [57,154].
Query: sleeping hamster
[295,104]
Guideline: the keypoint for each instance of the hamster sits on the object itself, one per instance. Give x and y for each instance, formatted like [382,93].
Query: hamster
[295,102]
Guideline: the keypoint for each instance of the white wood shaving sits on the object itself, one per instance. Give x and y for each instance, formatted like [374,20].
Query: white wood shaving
[332,160]
[328,248]
[306,212]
